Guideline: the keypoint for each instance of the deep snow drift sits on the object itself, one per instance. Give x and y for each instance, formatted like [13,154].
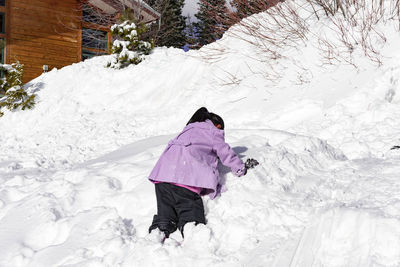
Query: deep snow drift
[73,171]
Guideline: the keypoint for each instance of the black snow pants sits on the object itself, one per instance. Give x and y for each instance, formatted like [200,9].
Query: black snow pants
[175,207]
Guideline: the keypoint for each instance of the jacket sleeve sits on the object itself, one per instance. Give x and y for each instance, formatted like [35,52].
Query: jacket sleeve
[226,154]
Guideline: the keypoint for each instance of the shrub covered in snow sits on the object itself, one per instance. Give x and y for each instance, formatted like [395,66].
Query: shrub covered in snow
[128,48]
[15,96]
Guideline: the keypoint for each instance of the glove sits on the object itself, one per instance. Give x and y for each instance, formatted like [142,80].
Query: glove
[250,163]
[242,172]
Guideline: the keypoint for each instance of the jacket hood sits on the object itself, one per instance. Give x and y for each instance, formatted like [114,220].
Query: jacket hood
[207,125]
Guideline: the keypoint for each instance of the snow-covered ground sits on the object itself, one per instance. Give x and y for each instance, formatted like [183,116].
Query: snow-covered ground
[73,171]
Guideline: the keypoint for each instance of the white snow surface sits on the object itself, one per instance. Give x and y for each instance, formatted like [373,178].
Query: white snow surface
[73,171]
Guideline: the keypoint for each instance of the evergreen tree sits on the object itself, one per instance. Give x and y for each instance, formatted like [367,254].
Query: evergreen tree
[191,35]
[150,2]
[128,48]
[212,20]
[15,95]
[171,32]
[245,8]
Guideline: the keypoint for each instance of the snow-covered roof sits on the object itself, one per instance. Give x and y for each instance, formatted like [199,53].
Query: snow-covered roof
[142,4]
[112,6]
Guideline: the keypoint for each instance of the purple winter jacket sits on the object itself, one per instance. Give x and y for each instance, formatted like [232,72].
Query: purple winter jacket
[191,158]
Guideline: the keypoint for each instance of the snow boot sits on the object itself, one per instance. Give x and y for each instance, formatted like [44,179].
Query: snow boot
[165,225]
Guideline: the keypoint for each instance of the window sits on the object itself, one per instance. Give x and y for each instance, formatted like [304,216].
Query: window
[94,39]
[2,22]
[95,27]
[2,2]
[89,54]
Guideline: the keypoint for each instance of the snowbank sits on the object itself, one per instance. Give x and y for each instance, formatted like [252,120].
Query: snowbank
[73,171]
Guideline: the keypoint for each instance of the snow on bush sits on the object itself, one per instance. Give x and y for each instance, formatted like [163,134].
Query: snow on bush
[15,96]
[128,48]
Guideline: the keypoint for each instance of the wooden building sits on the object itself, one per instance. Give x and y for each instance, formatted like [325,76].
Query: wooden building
[43,34]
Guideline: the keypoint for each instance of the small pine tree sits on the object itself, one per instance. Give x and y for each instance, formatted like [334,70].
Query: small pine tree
[212,20]
[128,48]
[15,96]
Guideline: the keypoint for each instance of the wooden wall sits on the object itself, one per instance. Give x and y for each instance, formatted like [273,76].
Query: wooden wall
[43,32]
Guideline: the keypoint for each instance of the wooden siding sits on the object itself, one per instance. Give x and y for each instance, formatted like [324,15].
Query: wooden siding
[43,32]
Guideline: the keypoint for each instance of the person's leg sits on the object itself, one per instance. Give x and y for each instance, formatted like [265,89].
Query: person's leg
[166,218]
[189,207]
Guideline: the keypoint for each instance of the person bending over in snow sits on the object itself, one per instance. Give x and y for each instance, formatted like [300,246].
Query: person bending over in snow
[187,170]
